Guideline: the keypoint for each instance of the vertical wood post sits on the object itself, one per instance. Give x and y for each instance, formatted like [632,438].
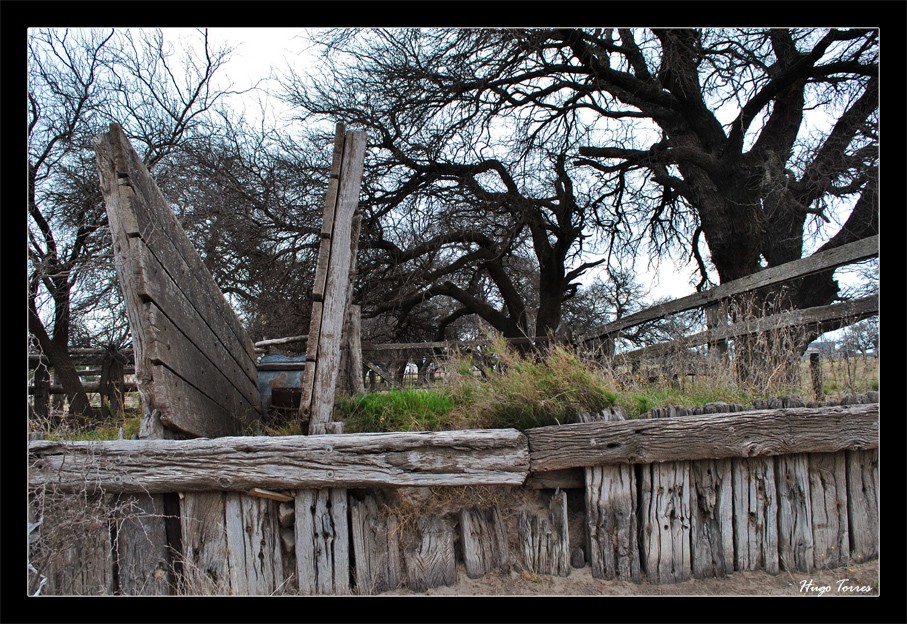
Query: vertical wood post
[815,371]
[716,316]
[711,502]
[863,503]
[331,290]
[611,515]
[111,382]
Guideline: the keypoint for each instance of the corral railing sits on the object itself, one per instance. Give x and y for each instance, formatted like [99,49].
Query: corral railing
[389,361]
[663,500]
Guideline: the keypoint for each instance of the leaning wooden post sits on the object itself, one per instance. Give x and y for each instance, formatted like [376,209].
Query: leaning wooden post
[330,292]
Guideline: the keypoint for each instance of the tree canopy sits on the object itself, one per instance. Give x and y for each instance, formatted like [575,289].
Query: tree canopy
[735,146]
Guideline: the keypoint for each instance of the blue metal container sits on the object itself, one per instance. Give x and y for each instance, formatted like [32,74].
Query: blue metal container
[280,382]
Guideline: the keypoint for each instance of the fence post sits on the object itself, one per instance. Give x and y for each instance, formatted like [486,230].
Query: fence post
[331,292]
[815,370]
[110,385]
[716,316]
[41,398]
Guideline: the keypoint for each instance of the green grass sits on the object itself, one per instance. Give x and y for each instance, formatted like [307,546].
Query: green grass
[399,410]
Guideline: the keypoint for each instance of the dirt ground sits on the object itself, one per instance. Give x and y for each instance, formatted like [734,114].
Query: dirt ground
[856,580]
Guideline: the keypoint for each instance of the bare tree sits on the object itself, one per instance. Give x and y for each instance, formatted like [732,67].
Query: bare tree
[79,82]
[733,146]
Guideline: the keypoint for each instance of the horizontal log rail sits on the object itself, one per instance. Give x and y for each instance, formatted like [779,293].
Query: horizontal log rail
[709,436]
[448,458]
[89,386]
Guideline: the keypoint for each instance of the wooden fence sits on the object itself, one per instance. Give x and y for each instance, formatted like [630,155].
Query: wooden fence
[193,359]
[663,500]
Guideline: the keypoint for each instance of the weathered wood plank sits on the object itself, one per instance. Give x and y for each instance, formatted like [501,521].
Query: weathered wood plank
[253,545]
[376,548]
[863,504]
[755,514]
[545,538]
[795,531]
[828,495]
[710,436]
[431,563]
[154,221]
[205,553]
[484,540]
[169,298]
[665,518]
[121,219]
[712,522]
[322,542]
[184,408]
[338,275]
[156,262]
[468,457]
[142,552]
[201,366]
[857,309]
[611,522]
[307,383]
[845,254]
[72,547]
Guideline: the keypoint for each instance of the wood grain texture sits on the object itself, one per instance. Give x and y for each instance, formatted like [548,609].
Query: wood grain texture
[545,538]
[206,569]
[253,545]
[709,436]
[795,522]
[142,547]
[322,542]
[828,494]
[177,314]
[755,514]
[431,562]
[483,537]
[712,522]
[73,549]
[376,548]
[469,457]
[336,291]
[863,504]
[665,522]
[611,522]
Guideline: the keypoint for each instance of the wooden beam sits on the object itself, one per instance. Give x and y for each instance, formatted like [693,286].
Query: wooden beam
[857,309]
[445,458]
[709,436]
[280,341]
[839,256]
